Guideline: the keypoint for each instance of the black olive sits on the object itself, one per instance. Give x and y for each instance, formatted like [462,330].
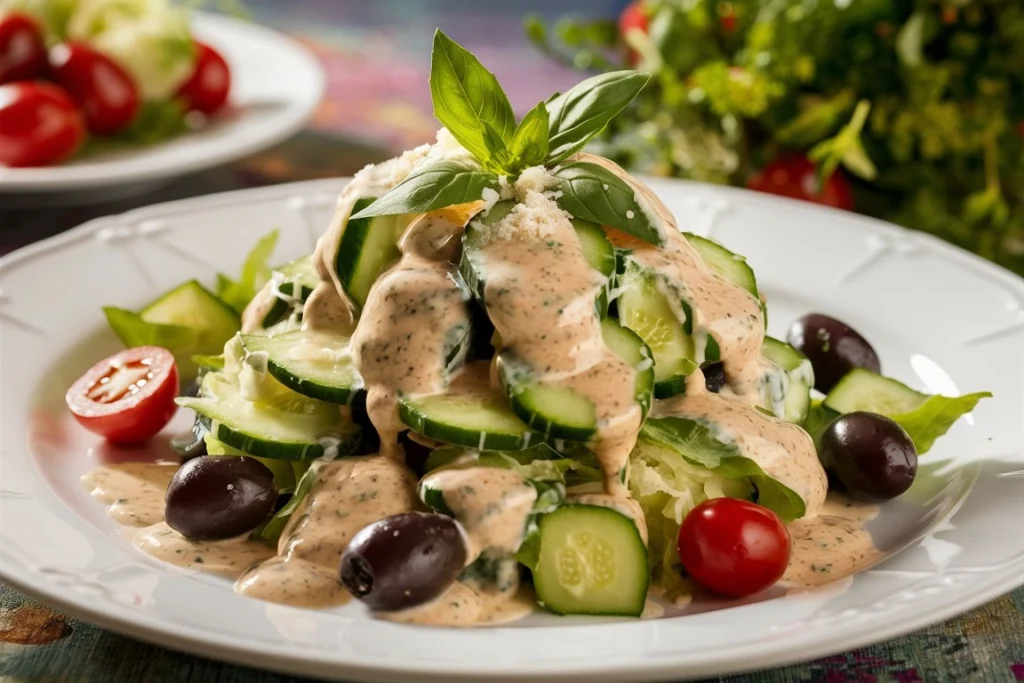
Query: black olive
[404,560]
[871,456]
[216,497]
[714,377]
[833,347]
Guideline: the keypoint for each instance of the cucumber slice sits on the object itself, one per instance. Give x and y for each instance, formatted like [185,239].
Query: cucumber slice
[298,280]
[628,346]
[729,265]
[552,410]
[644,309]
[192,305]
[732,267]
[313,364]
[787,391]
[600,254]
[592,560]
[862,389]
[475,418]
[367,247]
[284,426]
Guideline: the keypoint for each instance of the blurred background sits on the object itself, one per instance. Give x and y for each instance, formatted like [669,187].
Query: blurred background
[909,110]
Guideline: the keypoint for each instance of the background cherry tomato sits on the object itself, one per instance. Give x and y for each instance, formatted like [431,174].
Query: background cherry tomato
[39,124]
[795,176]
[633,17]
[106,93]
[22,55]
[127,397]
[733,546]
[207,89]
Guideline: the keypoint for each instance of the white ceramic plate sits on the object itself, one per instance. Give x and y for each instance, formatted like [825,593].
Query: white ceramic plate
[276,84]
[941,319]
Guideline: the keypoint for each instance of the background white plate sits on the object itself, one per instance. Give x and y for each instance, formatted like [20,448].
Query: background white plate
[941,320]
[276,85]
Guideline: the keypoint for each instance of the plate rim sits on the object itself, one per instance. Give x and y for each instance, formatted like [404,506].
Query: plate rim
[147,627]
[35,181]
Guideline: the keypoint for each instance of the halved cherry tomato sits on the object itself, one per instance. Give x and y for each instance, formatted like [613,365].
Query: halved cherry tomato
[39,124]
[795,176]
[207,89]
[22,54]
[106,93]
[733,546]
[127,397]
[633,17]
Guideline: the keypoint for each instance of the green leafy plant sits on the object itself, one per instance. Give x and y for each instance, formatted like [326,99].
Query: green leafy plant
[914,109]
[470,103]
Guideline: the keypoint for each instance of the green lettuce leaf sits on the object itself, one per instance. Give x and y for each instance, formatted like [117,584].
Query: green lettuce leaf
[133,331]
[935,416]
[256,272]
[696,443]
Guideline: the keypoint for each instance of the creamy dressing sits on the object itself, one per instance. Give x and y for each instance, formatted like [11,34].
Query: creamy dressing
[782,449]
[406,328]
[230,557]
[349,494]
[474,602]
[132,491]
[540,292]
[833,544]
[492,505]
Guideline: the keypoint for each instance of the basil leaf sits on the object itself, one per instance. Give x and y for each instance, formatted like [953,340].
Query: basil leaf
[935,416]
[436,186]
[696,444]
[584,111]
[529,144]
[593,193]
[467,97]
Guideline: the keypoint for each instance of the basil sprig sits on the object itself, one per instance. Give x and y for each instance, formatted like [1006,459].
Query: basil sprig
[435,186]
[593,193]
[470,103]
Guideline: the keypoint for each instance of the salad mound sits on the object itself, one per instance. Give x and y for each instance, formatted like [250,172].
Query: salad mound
[505,360]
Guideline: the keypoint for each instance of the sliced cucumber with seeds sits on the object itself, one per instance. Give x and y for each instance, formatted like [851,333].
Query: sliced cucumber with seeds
[313,364]
[645,309]
[862,389]
[297,280]
[475,418]
[786,386]
[592,560]
[285,425]
[367,247]
[628,346]
[549,409]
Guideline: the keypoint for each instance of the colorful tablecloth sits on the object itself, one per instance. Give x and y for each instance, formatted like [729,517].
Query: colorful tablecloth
[377,103]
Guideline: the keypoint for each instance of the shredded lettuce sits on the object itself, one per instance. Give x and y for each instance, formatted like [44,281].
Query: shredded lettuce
[668,487]
[697,444]
[151,39]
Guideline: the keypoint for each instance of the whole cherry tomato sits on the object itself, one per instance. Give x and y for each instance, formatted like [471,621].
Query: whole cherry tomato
[795,176]
[106,93]
[633,17]
[208,87]
[733,546]
[127,397]
[39,124]
[22,54]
